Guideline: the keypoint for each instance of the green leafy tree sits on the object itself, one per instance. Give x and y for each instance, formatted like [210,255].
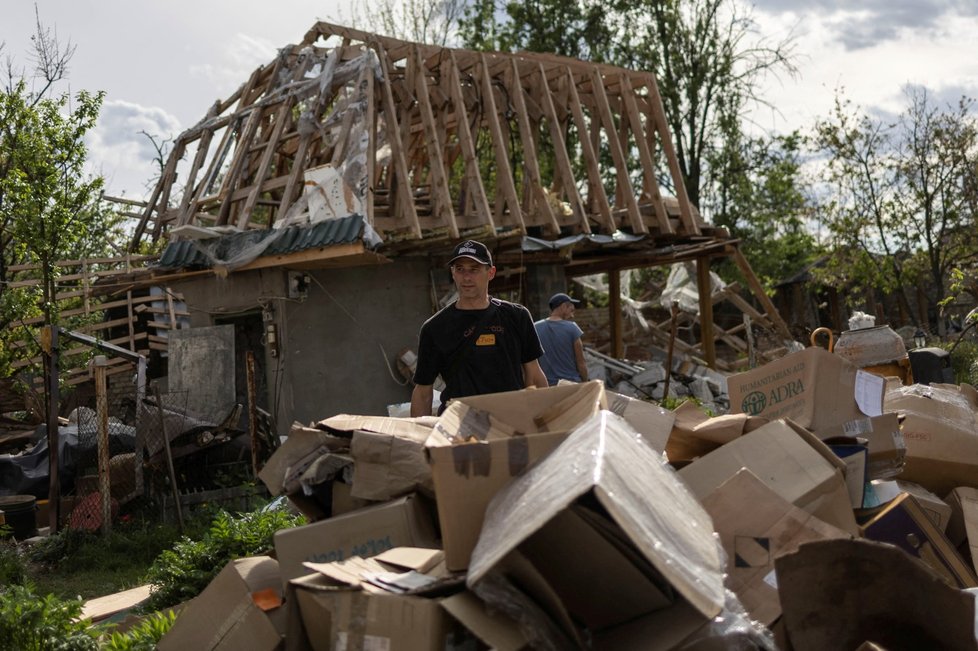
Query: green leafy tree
[50,210]
[900,198]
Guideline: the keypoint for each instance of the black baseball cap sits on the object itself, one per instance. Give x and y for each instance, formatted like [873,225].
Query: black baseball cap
[559,299]
[471,249]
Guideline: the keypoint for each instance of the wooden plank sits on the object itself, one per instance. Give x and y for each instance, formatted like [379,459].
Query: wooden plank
[477,191]
[650,183]
[407,211]
[281,117]
[755,285]
[618,156]
[505,188]
[237,167]
[560,152]
[665,138]
[596,194]
[538,199]
[167,179]
[441,195]
[370,124]
[704,286]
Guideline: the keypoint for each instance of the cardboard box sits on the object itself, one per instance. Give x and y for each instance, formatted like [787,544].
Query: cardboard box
[812,387]
[756,526]
[904,524]
[836,594]
[936,509]
[887,449]
[650,420]
[404,522]
[344,606]
[940,427]
[695,434]
[239,609]
[482,442]
[388,454]
[788,459]
[302,447]
[577,546]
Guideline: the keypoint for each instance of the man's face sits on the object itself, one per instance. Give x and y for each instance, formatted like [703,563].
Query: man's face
[471,278]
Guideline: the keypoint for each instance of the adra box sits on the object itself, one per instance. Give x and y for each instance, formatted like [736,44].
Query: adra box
[812,387]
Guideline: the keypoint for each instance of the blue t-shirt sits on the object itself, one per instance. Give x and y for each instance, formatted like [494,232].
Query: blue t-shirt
[558,361]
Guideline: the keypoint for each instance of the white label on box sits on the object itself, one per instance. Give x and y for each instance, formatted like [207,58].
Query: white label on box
[869,393]
[370,643]
[771,578]
[857,427]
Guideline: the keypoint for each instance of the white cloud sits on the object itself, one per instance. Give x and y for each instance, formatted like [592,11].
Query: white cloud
[236,61]
[120,151]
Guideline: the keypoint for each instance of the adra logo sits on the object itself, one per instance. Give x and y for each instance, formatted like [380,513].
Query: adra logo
[754,403]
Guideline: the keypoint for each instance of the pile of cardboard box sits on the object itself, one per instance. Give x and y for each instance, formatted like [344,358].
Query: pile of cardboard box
[577,518]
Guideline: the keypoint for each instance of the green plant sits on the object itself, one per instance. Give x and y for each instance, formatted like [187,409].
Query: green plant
[141,637]
[183,572]
[672,404]
[13,570]
[964,361]
[31,622]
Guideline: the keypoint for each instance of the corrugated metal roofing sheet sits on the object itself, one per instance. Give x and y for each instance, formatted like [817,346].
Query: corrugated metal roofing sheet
[203,254]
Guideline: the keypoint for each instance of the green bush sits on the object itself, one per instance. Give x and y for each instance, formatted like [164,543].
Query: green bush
[183,572]
[30,622]
[141,637]
[964,362]
[13,570]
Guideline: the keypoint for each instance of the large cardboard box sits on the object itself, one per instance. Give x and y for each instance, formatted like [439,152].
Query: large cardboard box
[482,442]
[304,445]
[404,522]
[388,454]
[598,535]
[756,526]
[812,387]
[940,427]
[239,609]
[788,459]
[650,420]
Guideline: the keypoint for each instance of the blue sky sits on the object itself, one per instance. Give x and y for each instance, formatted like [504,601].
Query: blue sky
[163,64]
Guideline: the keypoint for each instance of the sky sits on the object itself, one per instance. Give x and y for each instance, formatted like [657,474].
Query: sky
[162,64]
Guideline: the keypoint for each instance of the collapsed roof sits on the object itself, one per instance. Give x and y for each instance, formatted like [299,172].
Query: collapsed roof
[426,141]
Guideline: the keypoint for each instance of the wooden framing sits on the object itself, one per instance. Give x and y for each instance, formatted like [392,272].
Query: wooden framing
[433,142]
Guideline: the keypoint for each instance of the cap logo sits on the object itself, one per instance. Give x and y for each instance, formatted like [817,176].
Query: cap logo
[466,249]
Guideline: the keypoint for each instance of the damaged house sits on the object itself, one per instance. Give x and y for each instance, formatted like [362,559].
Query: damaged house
[313,210]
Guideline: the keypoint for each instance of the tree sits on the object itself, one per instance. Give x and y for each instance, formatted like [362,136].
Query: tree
[425,21]
[900,197]
[49,209]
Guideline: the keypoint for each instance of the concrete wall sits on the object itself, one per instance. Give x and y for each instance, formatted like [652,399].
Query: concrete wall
[337,347]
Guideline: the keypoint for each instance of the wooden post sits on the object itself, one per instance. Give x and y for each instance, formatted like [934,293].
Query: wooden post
[49,344]
[252,410]
[673,327]
[614,309]
[705,290]
[169,461]
[102,413]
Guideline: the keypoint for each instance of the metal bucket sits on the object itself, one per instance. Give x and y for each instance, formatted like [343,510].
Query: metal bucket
[20,514]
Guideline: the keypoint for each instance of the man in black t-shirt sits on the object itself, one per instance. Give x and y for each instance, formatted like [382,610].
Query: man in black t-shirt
[477,344]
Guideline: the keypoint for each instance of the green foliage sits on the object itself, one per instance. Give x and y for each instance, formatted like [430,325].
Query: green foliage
[143,636]
[183,572]
[964,361]
[31,622]
[672,404]
[13,570]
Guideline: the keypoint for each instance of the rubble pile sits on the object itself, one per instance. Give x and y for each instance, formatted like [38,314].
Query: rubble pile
[829,508]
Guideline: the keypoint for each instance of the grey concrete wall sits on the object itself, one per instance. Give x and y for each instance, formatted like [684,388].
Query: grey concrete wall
[542,282]
[337,347]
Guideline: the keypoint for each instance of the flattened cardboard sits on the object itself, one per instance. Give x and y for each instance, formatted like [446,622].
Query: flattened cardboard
[602,464]
[481,442]
[837,594]
[812,387]
[404,522]
[904,524]
[788,459]
[650,420]
[225,617]
[940,427]
[756,526]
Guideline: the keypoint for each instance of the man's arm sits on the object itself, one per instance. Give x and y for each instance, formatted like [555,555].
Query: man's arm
[421,399]
[579,359]
[533,375]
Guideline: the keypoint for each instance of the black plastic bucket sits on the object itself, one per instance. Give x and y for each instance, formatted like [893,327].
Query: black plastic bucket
[20,514]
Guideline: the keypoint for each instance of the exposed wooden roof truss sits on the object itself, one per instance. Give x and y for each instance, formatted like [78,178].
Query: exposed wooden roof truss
[429,141]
